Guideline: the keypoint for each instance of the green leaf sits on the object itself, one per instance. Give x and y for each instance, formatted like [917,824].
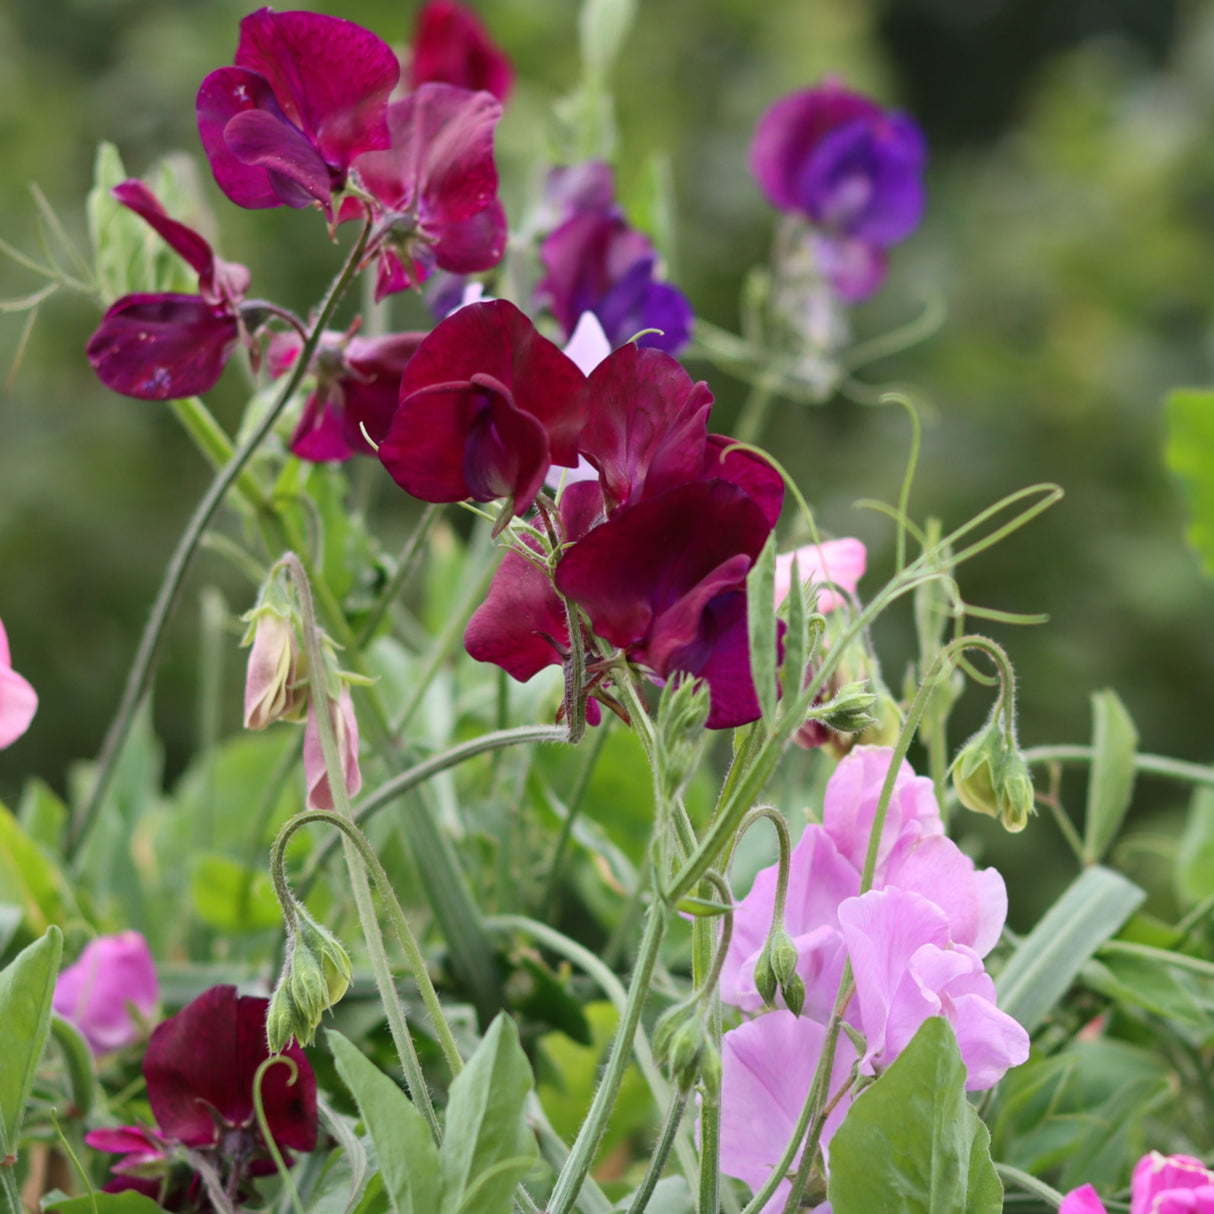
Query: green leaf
[1194,874]
[761,626]
[408,1158]
[128,1202]
[26,988]
[42,814]
[602,27]
[1190,455]
[795,610]
[28,878]
[1111,782]
[487,1148]
[1151,985]
[912,1142]
[10,921]
[1039,972]
[78,1062]
[231,897]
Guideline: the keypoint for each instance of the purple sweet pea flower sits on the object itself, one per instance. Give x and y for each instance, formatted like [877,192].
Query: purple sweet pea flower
[18,700]
[452,46]
[199,1068]
[111,992]
[487,406]
[907,968]
[435,188]
[357,386]
[767,1069]
[165,346]
[853,170]
[1162,1184]
[308,93]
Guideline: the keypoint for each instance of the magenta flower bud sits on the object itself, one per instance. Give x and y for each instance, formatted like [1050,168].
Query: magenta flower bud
[345,729]
[111,992]
[452,46]
[18,700]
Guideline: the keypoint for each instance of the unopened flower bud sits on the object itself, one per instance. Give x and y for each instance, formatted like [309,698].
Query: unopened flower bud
[851,711]
[681,737]
[316,975]
[991,777]
[334,960]
[776,969]
[765,977]
[274,686]
[685,1051]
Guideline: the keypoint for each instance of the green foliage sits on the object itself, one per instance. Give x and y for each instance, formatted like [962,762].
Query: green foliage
[1190,454]
[761,627]
[78,1063]
[129,1202]
[233,897]
[912,1142]
[1111,781]
[1194,874]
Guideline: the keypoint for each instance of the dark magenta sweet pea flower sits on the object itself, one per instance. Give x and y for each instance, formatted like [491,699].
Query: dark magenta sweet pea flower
[664,579]
[596,262]
[435,188]
[852,169]
[357,385]
[167,345]
[307,94]
[487,406]
[452,46]
[199,1067]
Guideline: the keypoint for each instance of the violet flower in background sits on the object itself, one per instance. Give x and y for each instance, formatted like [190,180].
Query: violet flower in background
[166,345]
[452,46]
[18,700]
[596,262]
[357,386]
[307,94]
[435,188]
[111,992]
[1162,1184]
[199,1068]
[853,170]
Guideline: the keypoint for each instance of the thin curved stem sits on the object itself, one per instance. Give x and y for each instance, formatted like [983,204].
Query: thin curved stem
[145,657]
[1155,765]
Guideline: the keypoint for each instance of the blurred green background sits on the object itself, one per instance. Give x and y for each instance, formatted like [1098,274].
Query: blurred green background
[1070,233]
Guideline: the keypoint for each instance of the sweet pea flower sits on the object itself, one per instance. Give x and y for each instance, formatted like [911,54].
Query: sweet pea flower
[434,188]
[167,345]
[851,169]
[767,1069]
[199,1067]
[308,94]
[452,46]
[487,406]
[835,565]
[1162,1184]
[110,992]
[357,388]
[345,729]
[18,700]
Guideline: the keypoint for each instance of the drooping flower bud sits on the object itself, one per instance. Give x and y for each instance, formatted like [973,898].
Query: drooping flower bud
[776,969]
[681,736]
[315,976]
[274,686]
[991,777]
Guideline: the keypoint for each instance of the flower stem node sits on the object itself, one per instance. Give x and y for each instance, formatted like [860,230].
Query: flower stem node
[316,975]
[682,715]
[991,777]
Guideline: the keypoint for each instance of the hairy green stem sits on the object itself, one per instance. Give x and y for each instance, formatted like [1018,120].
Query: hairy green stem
[661,1152]
[145,657]
[1155,765]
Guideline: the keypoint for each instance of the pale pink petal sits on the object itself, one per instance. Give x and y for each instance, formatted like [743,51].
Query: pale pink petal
[345,726]
[18,700]
[835,565]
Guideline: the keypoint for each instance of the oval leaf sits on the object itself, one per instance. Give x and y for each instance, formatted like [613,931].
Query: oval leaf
[1111,783]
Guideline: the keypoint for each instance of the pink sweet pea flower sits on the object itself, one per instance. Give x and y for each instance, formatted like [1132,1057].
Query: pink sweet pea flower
[18,700]
[308,93]
[767,1068]
[110,992]
[1162,1184]
[345,727]
[835,565]
[452,46]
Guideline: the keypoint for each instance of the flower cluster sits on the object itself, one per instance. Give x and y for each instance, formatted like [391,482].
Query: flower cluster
[201,1066]
[111,992]
[654,550]
[915,942]
[851,170]
[594,261]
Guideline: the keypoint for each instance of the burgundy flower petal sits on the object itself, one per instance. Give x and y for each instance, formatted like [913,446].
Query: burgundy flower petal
[749,472]
[474,245]
[226,92]
[451,46]
[162,347]
[200,1066]
[790,130]
[330,77]
[647,424]
[320,435]
[296,170]
[182,240]
[644,559]
[371,384]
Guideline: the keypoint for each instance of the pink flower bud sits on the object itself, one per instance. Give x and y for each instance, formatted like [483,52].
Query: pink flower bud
[110,992]
[270,693]
[18,700]
[345,728]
